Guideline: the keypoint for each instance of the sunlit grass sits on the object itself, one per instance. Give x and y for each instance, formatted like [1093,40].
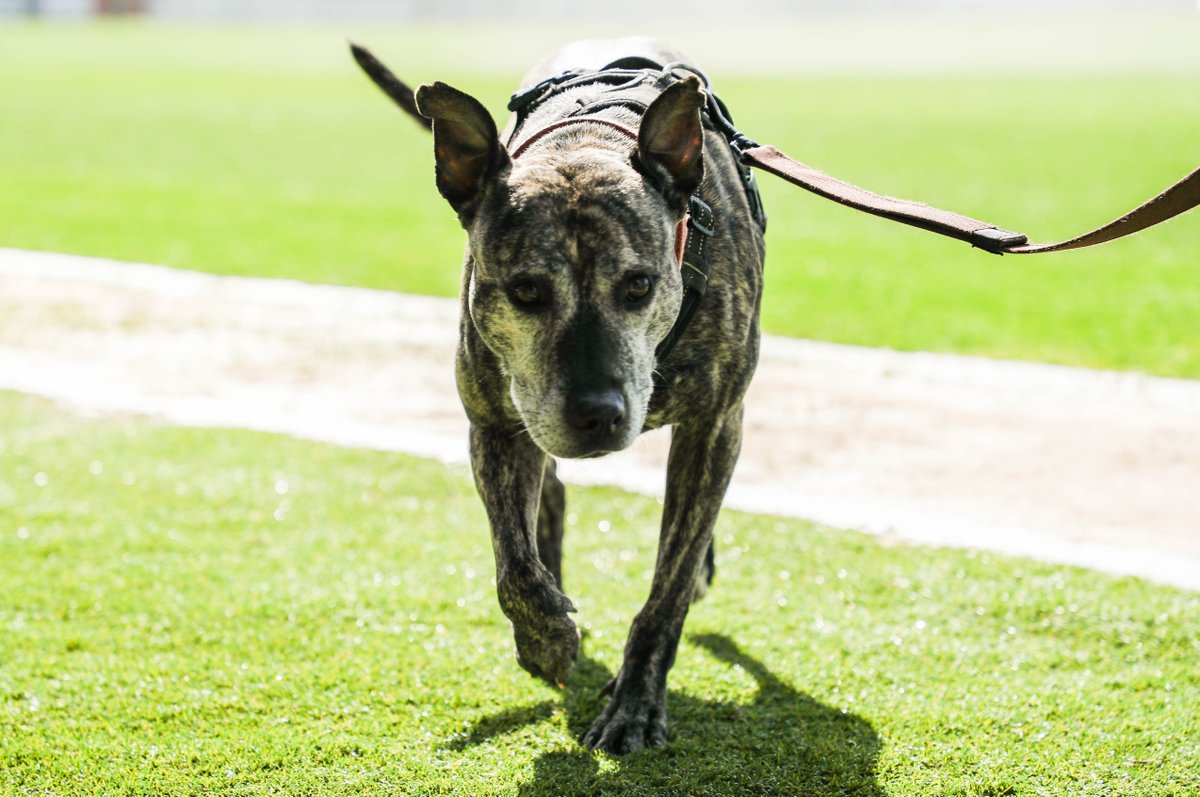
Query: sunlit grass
[221,612]
[264,152]
[225,612]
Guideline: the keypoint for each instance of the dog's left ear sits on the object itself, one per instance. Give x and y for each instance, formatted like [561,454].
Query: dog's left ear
[670,148]
[465,145]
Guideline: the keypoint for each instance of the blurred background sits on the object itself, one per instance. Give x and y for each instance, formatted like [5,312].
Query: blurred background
[239,138]
[407,10]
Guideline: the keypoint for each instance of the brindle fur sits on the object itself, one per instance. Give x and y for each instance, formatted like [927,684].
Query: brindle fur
[581,211]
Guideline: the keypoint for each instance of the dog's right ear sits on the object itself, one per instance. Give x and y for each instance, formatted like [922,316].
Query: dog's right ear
[670,148]
[465,144]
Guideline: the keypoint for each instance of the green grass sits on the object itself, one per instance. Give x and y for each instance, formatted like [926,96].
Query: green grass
[220,612]
[252,151]
[224,612]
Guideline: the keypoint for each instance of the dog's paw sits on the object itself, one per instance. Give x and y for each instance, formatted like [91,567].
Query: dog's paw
[547,649]
[629,725]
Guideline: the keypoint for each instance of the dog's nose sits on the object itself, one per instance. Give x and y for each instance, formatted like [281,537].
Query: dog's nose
[598,414]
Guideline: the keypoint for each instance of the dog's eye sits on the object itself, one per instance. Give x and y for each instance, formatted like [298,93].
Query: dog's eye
[527,294]
[637,288]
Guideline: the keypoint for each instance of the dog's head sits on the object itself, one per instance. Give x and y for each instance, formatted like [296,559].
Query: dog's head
[573,276]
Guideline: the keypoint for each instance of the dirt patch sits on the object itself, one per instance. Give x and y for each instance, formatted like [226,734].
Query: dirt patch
[1085,467]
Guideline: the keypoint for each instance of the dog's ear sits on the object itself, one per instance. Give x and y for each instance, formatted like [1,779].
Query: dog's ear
[465,144]
[670,148]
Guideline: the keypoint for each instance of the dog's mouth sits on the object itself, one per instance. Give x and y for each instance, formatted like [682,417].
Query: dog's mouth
[577,449]
[564,445]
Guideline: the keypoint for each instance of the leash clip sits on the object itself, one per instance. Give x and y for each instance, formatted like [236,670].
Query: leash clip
[738,144]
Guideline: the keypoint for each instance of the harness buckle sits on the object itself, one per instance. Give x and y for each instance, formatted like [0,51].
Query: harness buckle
[695,267]
[700,216]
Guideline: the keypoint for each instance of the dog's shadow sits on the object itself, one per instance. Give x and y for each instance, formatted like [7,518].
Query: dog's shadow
[783,742]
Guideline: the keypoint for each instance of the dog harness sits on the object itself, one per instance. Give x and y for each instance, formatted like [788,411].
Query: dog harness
[634,83]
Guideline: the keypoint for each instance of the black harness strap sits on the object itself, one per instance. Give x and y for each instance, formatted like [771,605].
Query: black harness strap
[694,268]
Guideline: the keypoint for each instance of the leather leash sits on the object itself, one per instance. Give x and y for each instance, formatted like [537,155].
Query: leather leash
[1179,198]
[634,82]
[626,73]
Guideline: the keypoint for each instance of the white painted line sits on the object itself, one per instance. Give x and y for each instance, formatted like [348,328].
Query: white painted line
[1091,468]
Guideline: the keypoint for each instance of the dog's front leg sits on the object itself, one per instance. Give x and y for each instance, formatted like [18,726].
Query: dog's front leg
[508,474]
[698,471]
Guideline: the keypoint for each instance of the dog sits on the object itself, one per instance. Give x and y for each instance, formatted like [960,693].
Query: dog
[572,287]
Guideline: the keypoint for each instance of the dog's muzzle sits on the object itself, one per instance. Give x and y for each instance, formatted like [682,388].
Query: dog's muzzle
[598,420]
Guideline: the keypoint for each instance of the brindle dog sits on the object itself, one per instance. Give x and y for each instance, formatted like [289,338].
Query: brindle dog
[571,281]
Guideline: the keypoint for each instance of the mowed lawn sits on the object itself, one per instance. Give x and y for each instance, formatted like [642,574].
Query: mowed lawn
[225,612]
[265,152]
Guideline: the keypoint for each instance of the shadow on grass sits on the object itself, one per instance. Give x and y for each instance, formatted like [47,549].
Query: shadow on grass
[783,742]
